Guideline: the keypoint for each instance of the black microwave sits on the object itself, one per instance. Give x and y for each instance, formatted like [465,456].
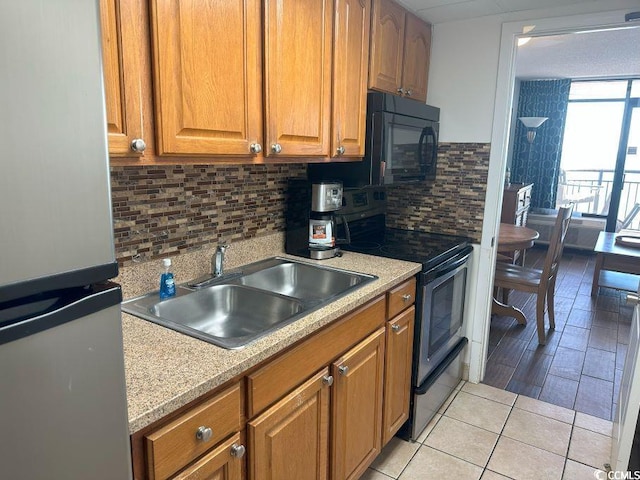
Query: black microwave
[401,145]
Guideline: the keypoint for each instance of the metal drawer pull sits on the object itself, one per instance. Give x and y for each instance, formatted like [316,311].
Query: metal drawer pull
[327,380]
[343,369]
[395,328]
[238,451]
[204,433]
[406,297]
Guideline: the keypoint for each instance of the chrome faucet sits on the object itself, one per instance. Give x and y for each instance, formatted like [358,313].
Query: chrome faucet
[217,261]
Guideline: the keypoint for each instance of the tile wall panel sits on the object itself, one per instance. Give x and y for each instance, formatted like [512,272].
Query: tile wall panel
[162,210]
[453,203]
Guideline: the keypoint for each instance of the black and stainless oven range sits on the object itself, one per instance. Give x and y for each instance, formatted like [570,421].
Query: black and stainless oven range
[439,330]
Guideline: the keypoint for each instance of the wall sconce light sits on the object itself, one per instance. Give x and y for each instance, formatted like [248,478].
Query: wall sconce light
[532,123]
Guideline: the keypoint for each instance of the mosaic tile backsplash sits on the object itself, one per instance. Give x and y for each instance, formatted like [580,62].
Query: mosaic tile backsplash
[453,203]
[167,210]
[171,209]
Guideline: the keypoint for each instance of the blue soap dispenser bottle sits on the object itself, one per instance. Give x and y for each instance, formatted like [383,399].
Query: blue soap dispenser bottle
[167,283]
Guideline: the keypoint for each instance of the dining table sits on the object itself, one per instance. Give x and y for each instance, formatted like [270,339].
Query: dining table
[513,237]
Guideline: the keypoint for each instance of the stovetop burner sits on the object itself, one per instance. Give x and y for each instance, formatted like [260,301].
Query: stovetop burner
[427,248]
[364,210]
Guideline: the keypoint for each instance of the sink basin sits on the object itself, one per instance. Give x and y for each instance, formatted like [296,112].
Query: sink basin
[248,303]
[302,281]
[228,315]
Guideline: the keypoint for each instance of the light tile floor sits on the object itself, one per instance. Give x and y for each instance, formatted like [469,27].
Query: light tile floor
[485,433]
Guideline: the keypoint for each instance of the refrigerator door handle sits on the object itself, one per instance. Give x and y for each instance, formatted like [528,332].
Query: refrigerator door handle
[47,311]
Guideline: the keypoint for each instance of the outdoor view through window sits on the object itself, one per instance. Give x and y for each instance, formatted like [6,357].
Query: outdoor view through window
[602,116]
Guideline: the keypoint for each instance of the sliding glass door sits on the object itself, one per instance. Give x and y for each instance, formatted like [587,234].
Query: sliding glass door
[624,211]
[600,164]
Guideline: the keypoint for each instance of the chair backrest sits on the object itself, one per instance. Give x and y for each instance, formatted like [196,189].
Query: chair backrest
[556,243]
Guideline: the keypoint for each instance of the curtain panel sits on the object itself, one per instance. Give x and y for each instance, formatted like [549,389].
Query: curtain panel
[539,162]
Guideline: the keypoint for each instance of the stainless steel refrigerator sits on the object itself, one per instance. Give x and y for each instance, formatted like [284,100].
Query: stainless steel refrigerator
[63,411]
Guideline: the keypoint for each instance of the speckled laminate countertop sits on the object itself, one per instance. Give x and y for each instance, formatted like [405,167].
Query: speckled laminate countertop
[166,369]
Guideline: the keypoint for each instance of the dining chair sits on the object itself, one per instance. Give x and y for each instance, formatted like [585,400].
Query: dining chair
[533,280]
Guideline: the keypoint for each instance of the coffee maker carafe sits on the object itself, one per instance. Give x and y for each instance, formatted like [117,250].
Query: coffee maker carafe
[311,219]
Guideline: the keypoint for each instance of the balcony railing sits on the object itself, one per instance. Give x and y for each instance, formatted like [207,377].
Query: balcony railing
[590,191]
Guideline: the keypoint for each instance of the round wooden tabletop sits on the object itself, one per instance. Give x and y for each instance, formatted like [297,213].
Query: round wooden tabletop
[513,237]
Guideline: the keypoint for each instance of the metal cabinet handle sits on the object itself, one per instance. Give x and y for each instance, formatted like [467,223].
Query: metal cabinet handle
[204,433]
[238,451]
[406,297]
[409,92]
[327,380]
[633,299]
[401,91]
[138,145]
[276,148]
[395,328]
[343,369]
[340,150]
[255,148]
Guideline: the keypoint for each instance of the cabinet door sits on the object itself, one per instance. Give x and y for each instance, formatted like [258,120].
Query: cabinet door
[122,65]
[298,41]
[397,372]
[387,44]
[357,407]
[225,462]
[289,441]
[350,70]
[206,59]
[417,52]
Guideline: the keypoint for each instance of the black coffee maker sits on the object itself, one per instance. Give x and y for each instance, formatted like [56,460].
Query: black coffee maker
[311,227]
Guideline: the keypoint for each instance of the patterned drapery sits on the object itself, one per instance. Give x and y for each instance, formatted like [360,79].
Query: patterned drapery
[541,165]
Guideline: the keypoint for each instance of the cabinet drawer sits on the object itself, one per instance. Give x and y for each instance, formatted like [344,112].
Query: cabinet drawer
[220,463]
[282,375]
[401,297]
[176,444]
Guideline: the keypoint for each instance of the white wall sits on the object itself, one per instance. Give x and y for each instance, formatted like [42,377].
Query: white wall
[462,77]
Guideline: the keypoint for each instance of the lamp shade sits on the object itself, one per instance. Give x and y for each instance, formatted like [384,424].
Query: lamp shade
[533,122]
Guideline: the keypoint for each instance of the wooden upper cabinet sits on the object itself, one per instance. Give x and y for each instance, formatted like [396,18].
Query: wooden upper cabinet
[122,67]
[357,407]
[417,52]
[400,51]
[350,71]
[298,40]
[387,44]
[207,64]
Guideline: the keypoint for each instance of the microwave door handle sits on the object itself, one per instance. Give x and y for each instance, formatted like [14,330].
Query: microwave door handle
[434,146]
[427,132]
[421,159]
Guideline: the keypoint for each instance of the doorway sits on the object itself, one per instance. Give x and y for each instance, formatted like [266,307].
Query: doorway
[576,298]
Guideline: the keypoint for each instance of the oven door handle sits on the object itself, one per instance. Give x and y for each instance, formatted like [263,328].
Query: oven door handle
[448,360]
[448,266]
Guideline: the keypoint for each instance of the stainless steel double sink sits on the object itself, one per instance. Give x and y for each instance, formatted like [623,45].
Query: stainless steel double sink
[246,304]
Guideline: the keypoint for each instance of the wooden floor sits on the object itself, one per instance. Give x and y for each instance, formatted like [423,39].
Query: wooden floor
[581,365]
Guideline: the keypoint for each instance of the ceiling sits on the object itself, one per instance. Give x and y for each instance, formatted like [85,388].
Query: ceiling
[439,11]
[596,54]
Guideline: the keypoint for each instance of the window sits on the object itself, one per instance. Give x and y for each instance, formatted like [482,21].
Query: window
[599,115]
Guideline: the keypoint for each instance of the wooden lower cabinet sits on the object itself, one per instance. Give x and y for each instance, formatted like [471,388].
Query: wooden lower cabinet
[357,407]
[224,462]
[290,439]
[397,379]
[314,412]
